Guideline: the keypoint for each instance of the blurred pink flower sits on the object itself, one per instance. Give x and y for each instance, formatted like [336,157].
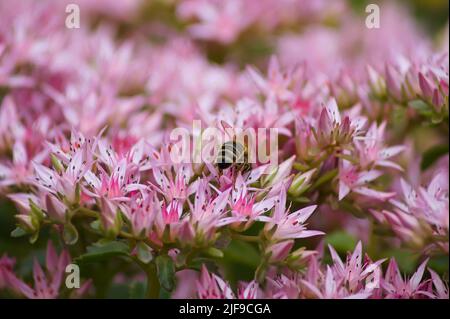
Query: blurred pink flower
[47,284]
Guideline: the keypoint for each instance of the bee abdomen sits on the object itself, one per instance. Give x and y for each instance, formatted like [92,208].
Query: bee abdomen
[230,153]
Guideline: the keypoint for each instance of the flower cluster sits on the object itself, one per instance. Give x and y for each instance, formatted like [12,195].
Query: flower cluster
[354,279]
[86,161]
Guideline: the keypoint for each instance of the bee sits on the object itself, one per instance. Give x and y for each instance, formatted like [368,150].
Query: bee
[232,154]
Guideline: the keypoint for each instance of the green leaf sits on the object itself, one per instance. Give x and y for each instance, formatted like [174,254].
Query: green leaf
[36,211]
[164,294]
[352,209]
[214,252]
[137,290]
[144,253]
[166,272]
[70,234]
[300,167]
[103,250]
[242,253]
[56,163]
[406,259]
[341,241]
[328,176]
[34,238]
[301,200]
[439,264]
[432,155]
[18,232]
[118,291]
[421,107]
[96,225]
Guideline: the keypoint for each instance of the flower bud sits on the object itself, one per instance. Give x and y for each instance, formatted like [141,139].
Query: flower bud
[279,173]
[301,183]
[28,223]
[279,252]
[377,83]
[57,164]
[110,218]
[55,209]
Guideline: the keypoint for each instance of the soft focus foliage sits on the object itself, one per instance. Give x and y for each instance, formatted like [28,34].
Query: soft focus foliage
[357,207]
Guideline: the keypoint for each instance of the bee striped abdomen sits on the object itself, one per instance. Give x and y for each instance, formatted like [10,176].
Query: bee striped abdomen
[229,154]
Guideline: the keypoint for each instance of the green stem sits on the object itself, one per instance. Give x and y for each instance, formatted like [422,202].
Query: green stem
[254,239]
[260,273]
[87,212]
[126,235]
[153,286]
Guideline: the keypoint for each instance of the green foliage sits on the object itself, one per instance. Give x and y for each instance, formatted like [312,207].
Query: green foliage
[432,155]
[137,290]
[70,234]
[18,232]
[406,259]
[166,272]
[240,261]
[103,250]
[144,253]
[341,241]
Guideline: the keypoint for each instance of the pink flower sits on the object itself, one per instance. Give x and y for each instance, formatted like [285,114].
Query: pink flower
[283,287]
[351,280]
[398,287]
[433,82]
[65,183]
[110,217]
[219,21]
[18,172]
[372,151]
[22,201]
[55,209]
[352,179]
[47,283]
[306,145]
[354,271]
[169,217]
[331,129]
[422,213]
[6,270]
[441,288]
[248,290]
[122,180]
[141,213]
[209,212]
[173,185]
[282,225]
[279,251]
[278,84]
[244,205]
[11,128]
[211,286]
[332,288]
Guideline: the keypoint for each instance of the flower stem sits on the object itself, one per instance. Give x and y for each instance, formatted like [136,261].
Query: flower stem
[253,239]
[87,212]
[153,286]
